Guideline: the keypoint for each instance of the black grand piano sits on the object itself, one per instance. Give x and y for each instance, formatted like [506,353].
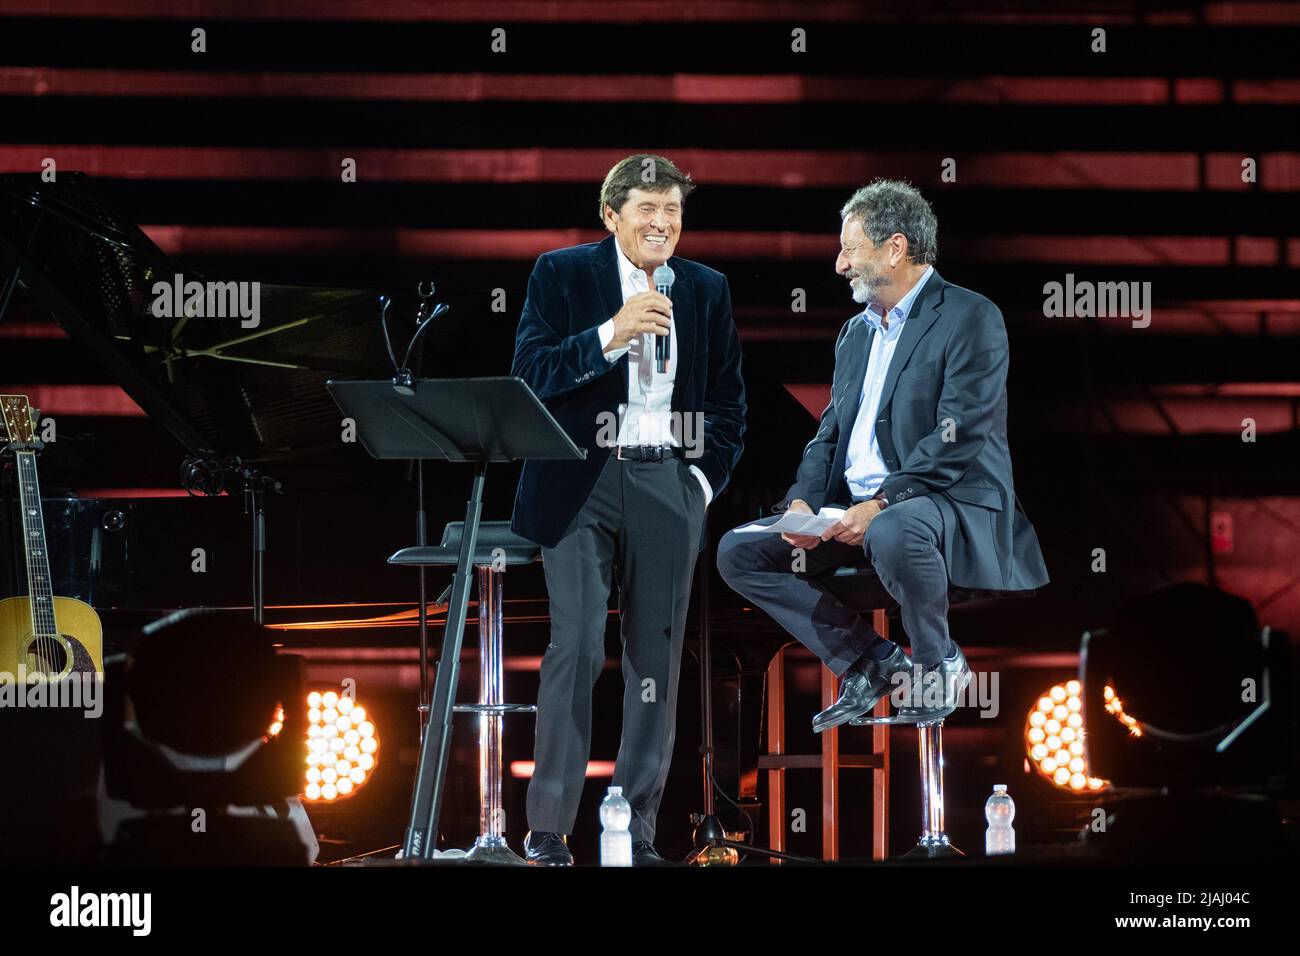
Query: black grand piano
[227,401]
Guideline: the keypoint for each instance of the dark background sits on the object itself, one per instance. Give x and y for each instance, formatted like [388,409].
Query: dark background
[1117,166]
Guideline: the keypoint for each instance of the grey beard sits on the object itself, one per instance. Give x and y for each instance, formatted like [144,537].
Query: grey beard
[863,289]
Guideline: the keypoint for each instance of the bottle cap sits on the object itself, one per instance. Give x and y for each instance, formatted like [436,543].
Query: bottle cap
[999,788]
[618,791]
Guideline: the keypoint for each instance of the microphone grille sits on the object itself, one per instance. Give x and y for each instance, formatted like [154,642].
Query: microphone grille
[664,276]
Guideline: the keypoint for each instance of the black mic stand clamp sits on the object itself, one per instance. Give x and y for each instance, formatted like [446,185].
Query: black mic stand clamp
[205,474]
[403,378]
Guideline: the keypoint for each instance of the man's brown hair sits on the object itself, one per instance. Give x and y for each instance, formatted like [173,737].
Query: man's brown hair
[655,174]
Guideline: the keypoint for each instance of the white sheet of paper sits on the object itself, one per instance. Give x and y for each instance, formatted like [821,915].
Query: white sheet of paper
[792,522]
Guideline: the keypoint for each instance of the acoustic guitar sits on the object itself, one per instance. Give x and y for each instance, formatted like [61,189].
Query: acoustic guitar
[42,636]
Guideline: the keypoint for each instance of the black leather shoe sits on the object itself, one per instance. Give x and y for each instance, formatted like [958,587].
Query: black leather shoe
[936,691]
[864,683]
[547,849]
[645,854]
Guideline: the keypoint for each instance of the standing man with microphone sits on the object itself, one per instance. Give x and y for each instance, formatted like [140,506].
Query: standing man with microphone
[662,427]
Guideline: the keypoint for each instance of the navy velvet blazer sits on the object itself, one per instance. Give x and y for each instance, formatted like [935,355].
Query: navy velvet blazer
[557,352]
[942,428]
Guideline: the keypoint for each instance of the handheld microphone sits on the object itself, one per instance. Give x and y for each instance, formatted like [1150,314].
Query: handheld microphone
[664,279]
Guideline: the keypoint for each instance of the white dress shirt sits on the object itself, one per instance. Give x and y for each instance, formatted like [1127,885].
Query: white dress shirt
[864,465]
[647,419]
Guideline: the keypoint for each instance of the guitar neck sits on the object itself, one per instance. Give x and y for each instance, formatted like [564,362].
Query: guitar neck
[39,586]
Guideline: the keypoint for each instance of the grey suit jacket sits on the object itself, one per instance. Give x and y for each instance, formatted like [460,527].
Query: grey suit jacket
[947,379]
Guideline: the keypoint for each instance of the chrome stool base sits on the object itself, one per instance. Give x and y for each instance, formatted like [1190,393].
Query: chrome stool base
[936,850]
[497,548]
[491,846]
[493,850]
[933,843]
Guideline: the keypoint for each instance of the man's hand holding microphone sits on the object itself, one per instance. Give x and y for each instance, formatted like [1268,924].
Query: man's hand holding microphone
[643,312]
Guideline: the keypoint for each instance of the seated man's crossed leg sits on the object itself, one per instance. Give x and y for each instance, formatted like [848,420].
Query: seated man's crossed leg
[903,567]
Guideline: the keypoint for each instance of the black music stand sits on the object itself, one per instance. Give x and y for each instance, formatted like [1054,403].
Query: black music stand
[474,420]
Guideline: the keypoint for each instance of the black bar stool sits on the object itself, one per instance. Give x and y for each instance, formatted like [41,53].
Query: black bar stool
[496,549]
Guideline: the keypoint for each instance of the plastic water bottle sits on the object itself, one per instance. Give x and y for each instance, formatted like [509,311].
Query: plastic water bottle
[615,838]
[1000,810]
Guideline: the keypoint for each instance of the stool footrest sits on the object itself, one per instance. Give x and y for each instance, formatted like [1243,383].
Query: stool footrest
[495,709]
[894,721]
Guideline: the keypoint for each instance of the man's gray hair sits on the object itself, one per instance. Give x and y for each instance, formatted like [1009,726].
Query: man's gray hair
[887,206]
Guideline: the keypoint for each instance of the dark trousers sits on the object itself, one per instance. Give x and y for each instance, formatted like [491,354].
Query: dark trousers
[902,554]
[640,526]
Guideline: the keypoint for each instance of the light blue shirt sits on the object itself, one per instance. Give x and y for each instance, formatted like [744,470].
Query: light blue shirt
[864,465]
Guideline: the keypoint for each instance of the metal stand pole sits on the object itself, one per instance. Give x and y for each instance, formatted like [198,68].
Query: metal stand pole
[706,690]
[708,828]
[435,749]
[422,539]
[254,502]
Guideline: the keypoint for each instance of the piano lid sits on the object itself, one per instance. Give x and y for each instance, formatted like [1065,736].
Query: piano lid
[238,369]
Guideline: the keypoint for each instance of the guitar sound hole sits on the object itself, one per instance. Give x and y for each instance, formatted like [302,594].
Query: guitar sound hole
[46,655]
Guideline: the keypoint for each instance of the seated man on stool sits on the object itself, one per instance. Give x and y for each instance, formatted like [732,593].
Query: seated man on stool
[914,445]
